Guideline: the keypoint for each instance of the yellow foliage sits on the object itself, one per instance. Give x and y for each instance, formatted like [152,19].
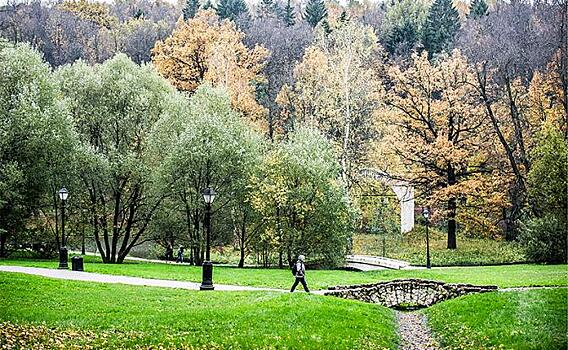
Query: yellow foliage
[207,49]
[91,11]
[437,133]
[336,91]
[546,97]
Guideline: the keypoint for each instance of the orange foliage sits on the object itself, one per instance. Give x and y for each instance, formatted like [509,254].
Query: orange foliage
[207,49]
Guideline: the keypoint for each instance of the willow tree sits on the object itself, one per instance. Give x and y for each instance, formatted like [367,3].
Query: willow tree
[36,140]
[207,145]
[115,105]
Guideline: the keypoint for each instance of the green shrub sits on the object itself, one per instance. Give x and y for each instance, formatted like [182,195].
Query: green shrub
[545,239]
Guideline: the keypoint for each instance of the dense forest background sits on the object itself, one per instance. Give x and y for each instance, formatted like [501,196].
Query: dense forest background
[137,106]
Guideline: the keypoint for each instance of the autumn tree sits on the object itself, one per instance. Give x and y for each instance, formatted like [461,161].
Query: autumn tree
[299,194]
[508,46]
[204,48]
[438,130]
[336,90]
[68,30]
[287,45]
[97,18]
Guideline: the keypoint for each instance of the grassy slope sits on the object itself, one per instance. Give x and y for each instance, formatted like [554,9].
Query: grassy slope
[412,248]
[502,276]
[202,319]
[534,319]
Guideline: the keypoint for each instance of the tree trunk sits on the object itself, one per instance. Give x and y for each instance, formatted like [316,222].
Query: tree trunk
[54,197]
[242,243]
[452,242]
[198,252]
[516,193]
[452,205]
[3,238]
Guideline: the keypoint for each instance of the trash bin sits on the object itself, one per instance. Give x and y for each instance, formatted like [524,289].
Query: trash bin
[77,263]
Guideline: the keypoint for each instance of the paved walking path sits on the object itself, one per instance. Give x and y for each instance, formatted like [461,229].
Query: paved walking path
[414,332]
[103,278]
[520,289]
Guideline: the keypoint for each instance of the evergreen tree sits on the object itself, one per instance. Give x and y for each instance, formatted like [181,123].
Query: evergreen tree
[441,26]
[208,5]
[269,8]
[326,27]
[231,9]
[401,39]
[315,12]
[190,9]
[139,14]
[343,17]
[403,26]
[477,9]
[288,15]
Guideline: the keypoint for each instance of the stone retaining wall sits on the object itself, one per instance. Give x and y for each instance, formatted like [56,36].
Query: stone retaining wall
[406,293]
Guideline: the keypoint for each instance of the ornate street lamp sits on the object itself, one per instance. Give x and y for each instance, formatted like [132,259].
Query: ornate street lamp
[63,258]
[426,214]
[207,279]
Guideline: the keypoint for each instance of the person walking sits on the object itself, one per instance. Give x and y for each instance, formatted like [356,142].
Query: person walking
[180,255]
[299,271]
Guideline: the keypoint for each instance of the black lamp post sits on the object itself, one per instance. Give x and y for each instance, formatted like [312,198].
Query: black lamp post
[63,194]
[385,203]
[426,214]
[83,234]
[207,279]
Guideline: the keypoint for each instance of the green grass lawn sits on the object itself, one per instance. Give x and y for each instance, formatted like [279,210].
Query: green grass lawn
[411,247]
[502,276]
[532,319]
[107,315]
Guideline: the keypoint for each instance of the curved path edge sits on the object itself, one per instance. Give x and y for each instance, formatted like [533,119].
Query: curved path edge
[104,278]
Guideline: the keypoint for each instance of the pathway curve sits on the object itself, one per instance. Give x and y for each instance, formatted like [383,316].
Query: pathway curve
[414,332]
[103,278]
[521,289]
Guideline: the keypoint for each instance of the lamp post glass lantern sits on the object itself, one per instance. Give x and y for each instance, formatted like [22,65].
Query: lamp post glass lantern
[207,278]
[63,256]
[426,214]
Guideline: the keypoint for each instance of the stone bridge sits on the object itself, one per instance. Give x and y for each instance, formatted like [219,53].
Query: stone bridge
[406,293]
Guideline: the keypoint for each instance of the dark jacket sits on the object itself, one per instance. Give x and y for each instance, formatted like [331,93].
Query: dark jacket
[300,269]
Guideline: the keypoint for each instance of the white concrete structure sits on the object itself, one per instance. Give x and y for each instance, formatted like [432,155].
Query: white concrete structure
[404,193]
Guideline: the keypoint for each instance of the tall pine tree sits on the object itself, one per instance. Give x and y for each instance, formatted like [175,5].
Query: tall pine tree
[190,9]
[269,8]
[315,12]
[288,15]
[441,26]
[208,5]
[477,9]
[231,9]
